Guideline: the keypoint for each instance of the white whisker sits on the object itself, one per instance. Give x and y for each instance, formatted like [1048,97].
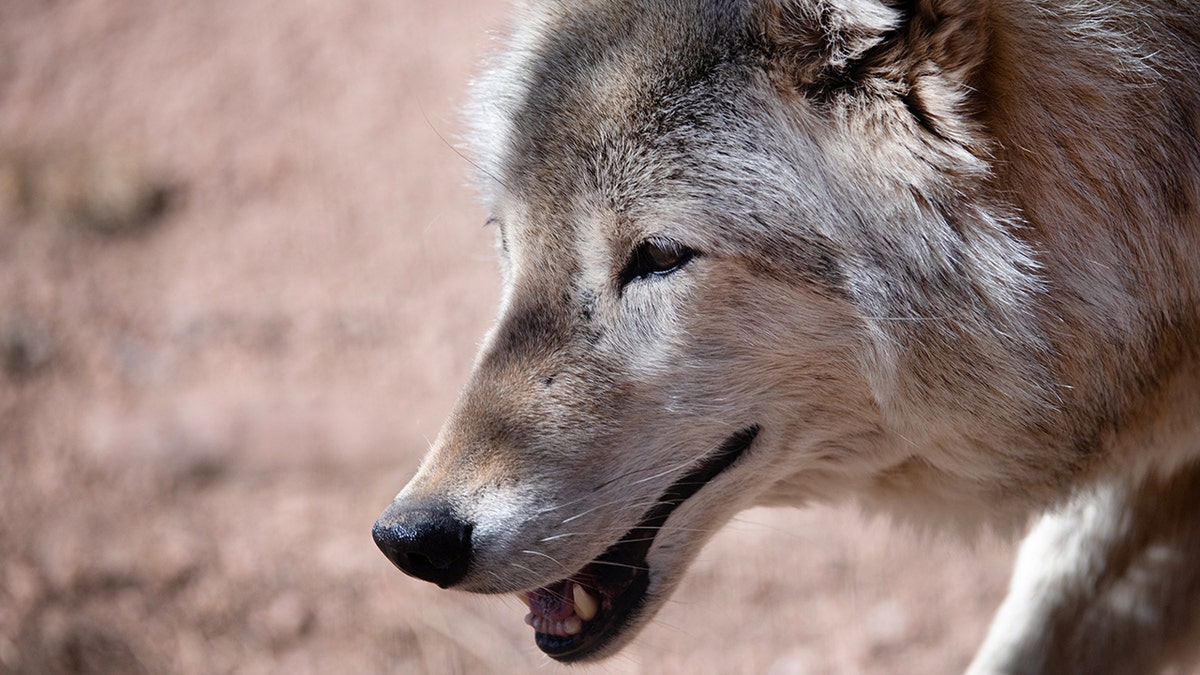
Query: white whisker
[548,557]
[663,473]
[607,504]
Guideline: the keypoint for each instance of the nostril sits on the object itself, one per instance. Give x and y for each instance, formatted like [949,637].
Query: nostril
[428,543]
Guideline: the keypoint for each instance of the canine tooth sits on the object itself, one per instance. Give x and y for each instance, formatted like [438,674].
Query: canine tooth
[572,625]
[586,604]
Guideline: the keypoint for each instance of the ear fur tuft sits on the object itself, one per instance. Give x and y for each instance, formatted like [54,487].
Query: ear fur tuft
[951,34]
[819,43]
[807,39]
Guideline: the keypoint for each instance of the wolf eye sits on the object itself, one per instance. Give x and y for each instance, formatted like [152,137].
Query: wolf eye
[656,256]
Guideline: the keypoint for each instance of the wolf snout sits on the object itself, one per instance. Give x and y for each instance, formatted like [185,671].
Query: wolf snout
[427,542]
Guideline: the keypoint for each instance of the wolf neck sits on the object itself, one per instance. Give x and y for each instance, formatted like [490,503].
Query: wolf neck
[1066,112]
[1121,337]
[1137,104]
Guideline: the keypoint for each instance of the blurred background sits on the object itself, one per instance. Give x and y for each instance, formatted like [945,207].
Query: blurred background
[242,276]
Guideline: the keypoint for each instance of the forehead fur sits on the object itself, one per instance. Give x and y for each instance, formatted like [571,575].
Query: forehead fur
[624,100]
[586,88]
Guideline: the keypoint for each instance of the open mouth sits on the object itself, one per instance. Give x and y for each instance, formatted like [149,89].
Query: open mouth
[574,617]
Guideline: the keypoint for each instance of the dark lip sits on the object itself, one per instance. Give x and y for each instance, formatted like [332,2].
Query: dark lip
[621,574]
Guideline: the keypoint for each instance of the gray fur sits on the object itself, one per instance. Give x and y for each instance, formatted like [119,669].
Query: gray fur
[948,261]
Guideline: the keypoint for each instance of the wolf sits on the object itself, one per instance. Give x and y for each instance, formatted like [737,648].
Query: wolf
[938,257]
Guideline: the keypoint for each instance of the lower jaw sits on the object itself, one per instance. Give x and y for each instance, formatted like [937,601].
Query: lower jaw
[622,575]
[618,613]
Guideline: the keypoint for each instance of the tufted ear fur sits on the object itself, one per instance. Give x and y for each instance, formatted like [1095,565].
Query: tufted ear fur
[834,45]
[922,58]
[806,39]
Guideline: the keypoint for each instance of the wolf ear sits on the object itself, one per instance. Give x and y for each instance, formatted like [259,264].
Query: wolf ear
[826,44]
[808,39]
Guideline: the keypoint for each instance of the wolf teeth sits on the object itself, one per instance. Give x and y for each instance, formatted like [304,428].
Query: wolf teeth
[586,604]
[572,625]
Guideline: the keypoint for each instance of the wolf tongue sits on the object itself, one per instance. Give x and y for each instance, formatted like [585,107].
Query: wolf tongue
[553,602]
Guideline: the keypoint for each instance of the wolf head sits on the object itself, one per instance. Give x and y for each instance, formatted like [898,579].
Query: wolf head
[750,255]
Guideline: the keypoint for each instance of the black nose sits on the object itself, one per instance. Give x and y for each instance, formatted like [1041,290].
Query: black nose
[429,543]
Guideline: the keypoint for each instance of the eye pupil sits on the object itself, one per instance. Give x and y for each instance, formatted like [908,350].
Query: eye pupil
[659,256]
[656,256]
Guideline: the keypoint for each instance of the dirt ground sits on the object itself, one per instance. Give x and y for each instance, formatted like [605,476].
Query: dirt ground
[242,277]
